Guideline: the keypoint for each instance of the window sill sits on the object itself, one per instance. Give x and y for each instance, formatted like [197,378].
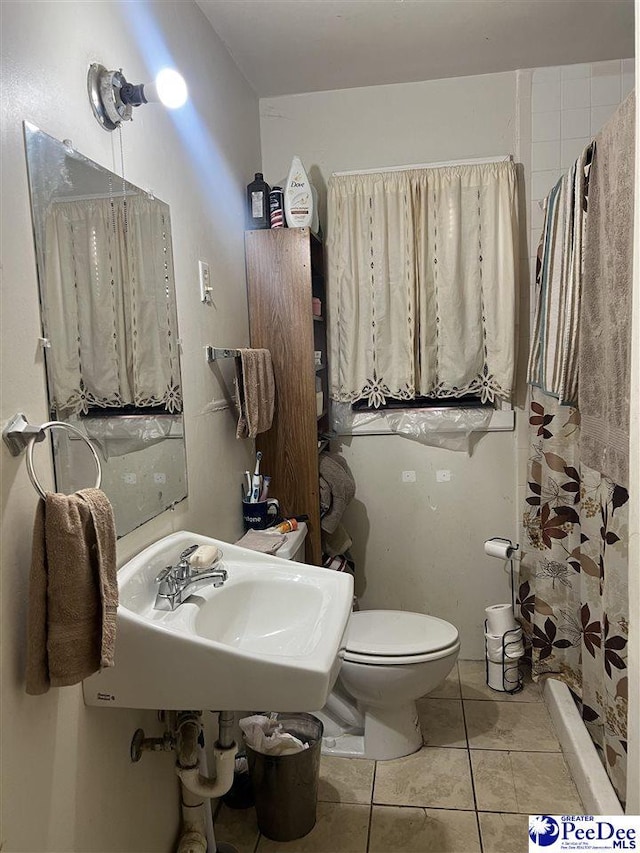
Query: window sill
[502,420]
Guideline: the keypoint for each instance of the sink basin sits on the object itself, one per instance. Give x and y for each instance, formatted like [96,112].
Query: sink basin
[269,639]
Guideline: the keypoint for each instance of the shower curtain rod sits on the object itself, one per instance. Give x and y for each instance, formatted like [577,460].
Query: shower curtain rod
[502,158]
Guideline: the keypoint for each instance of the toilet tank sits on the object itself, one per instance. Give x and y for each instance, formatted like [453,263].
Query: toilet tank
[293,548]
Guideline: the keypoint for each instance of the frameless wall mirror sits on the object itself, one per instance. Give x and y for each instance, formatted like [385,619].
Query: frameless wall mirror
[110,332]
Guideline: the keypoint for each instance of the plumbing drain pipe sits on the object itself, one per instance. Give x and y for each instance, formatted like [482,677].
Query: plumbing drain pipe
[207,806]
[226,722]
[197,788]
[188,767]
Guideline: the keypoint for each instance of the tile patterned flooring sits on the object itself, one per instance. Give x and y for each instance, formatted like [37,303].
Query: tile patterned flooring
[489,760]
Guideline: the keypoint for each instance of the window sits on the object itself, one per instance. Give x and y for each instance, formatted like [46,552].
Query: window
[422,283]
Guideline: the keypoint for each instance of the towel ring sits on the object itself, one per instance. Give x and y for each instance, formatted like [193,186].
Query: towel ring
[39,436]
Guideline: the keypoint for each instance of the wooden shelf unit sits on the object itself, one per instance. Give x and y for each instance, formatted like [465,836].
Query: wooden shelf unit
[284,272]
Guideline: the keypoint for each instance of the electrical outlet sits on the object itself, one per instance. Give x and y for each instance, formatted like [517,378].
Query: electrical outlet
[408,476]
[206,289]
[443,476]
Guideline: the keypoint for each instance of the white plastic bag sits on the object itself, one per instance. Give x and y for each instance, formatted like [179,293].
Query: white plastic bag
[265,735]
[450,428]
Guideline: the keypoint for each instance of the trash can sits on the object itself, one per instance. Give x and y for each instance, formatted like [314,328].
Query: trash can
[285,787]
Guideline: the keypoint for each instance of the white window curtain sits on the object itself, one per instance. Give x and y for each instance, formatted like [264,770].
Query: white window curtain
[422,283]
[109,305]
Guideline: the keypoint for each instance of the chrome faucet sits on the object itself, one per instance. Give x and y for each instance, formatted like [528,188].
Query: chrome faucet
[175,582]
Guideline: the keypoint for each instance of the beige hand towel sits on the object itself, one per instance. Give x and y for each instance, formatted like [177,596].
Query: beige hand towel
[605,311]
[265,543]
[255,392]
[73,592]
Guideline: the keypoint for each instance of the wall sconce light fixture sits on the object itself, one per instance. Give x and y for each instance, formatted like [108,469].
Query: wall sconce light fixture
[113,98]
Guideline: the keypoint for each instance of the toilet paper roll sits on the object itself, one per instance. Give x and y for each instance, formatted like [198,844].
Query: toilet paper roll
[497,547]
[502,678]
[510,647]
[500,619]
[514,646]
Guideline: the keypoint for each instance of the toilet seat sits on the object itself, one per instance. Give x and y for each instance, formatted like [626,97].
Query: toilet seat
[394,637]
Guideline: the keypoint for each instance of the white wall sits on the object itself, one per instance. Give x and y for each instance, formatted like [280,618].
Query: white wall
[67,783]
[417,545]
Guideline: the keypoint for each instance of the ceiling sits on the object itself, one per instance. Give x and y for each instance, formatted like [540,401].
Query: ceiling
[289,46]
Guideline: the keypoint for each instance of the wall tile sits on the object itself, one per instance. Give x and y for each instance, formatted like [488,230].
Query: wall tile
[545,126]
[534,239]
[575,123]
[574,72]
[628,83]
[600,116]
[541,182]
[546,75]
[605,90]
[545,155]
[571,149]
[608,68]
[576,94]
[536,215]
[545,97]
[628,66]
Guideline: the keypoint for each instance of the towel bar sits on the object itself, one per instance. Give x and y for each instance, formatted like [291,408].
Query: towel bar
[19,435]
[214,353]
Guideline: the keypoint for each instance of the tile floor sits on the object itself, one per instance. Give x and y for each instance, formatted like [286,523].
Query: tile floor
[489,760]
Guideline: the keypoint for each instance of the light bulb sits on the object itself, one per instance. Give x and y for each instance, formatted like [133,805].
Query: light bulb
[171,88]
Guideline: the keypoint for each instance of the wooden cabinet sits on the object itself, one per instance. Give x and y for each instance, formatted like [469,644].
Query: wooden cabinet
[284,273]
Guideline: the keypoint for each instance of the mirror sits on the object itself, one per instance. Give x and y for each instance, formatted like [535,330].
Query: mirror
[110,330]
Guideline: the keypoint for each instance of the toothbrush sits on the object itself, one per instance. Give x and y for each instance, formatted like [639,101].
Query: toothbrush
[256,482]
[247,493]
[265,488]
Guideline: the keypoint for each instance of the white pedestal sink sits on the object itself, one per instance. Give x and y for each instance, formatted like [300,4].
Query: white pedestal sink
[269,639]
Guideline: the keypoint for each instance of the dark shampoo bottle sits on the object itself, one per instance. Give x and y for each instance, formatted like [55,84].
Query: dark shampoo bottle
[258,203]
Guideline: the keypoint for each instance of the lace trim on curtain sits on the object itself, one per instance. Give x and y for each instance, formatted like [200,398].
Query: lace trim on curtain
[484,385]
[82,400]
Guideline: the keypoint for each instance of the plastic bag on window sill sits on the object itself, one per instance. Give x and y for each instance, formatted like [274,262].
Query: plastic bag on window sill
[119,435]
[450,428]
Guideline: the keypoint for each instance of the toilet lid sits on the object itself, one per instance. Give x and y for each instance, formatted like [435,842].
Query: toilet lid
[390,633]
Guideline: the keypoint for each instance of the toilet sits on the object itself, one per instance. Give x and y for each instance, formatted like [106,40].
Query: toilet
[391,659]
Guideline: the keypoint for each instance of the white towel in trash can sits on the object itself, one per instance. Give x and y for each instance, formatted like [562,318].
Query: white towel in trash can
[266,736]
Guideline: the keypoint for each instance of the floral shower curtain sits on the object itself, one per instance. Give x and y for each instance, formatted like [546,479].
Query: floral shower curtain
[573,591]
[573,583]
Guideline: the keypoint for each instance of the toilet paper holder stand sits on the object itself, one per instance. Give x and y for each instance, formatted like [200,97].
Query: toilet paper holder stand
[510,640]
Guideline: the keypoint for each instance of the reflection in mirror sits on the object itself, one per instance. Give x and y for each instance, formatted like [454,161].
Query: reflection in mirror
[108,307]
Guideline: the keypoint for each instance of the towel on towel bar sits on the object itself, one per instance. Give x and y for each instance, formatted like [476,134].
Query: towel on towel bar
[605,311]
[255,392]
[73,591]
[553,358]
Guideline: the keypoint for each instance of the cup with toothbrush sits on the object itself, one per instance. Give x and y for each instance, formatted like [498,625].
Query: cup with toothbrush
[258,510]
